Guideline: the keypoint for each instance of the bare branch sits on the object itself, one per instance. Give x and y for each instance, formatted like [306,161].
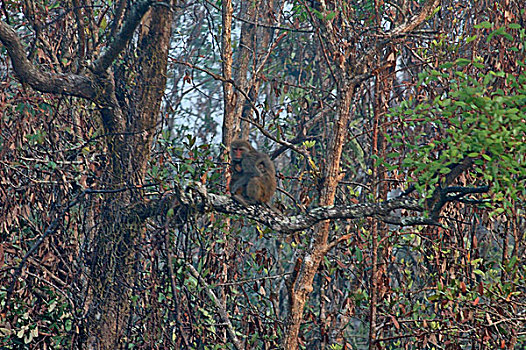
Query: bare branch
[27,72]
[439,198]
[416,20]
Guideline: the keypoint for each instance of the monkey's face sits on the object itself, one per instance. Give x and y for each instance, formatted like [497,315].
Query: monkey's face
[237,157]
[238,152]
[239,149]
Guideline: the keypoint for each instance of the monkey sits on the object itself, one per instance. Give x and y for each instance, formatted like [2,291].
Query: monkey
[253,174]
[258,181]
[254,166]
[238,148]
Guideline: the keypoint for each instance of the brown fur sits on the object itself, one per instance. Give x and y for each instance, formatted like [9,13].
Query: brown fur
[253,174]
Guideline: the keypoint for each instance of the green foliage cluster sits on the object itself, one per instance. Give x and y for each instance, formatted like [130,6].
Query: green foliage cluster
[471,112]
[475,118]
[47,319]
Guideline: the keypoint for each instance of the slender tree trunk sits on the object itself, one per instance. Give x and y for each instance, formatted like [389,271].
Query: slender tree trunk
[228,89]
[373,288]
[243,56]
[229,123]
[383,87]
[302,286]
[253,49]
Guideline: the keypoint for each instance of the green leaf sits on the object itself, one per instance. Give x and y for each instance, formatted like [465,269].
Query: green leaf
[359,255]
[330,15]
[470,38]
[485,25]
[485,156]
[499,31]
[462,62]
[512,262]
[479,272]
[433,297]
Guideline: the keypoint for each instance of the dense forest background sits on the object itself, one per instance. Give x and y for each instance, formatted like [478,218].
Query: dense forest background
[398,131]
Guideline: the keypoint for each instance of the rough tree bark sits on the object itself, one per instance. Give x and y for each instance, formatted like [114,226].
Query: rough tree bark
[319,244]
[114,268]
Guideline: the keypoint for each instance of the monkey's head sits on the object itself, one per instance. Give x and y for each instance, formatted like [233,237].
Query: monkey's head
[238,149]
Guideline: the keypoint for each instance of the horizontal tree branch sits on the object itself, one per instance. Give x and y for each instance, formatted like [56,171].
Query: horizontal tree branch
[197,198]
[289,224]
[71,84]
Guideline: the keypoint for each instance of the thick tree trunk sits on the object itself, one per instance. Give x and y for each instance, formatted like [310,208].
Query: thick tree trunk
[113,265]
